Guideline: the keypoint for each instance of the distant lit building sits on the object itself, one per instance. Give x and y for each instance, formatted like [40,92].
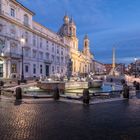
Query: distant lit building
[134,68]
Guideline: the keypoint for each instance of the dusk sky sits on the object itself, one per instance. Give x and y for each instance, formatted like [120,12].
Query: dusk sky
[108,23]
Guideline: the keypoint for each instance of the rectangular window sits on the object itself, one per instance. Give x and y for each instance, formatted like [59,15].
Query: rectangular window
[53,49]
[26,52]
[34,68]
[41,55]
[14,68]
[57,69]
[26,68]
[47,56]
[57,50]
[52,69]
[34,40]
[40,69]
[12,12]
[62,51]
[58,59]
[34,54]
[47,45]
[52,58]
[62,59]
[40,42]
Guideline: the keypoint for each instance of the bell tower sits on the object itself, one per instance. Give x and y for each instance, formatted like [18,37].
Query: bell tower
[72,28]
[86,45]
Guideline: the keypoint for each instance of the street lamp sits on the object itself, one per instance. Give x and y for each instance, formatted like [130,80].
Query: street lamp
[2,54]
[22,40]
[135,67]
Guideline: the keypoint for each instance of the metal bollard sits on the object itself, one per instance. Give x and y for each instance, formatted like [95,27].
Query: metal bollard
[86,96]
[18,82]
[56,95]
[1,83]
[18,93]
[126,91]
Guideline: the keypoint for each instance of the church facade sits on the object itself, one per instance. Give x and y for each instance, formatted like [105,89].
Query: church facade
[82,60]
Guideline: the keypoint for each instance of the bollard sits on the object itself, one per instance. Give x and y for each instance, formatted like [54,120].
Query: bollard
[56,95]
[126,91]
[111,80]
[86,96]
[136,85]
[123,81]
[1,83]
[18,93]
[18,82]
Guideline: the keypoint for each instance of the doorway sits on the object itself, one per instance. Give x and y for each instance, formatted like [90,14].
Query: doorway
[47,70]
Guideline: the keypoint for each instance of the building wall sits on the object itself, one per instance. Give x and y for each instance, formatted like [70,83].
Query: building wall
[43,49]
[98,67]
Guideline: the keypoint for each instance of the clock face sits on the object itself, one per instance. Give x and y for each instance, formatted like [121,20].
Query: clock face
[1,26]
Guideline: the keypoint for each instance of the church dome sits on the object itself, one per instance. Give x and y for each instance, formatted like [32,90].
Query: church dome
[66,19]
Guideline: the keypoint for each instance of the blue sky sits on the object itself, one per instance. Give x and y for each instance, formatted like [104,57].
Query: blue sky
[108,23]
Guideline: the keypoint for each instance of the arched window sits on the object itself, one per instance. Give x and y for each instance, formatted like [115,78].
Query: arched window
[26,20]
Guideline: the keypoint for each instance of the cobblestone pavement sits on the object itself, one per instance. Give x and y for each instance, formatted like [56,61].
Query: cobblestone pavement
[50,120]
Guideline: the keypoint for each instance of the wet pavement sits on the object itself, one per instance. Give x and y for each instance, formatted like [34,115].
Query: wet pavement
[50,120]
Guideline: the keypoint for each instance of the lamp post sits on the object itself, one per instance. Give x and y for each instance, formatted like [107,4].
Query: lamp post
[135,67]
[22,40]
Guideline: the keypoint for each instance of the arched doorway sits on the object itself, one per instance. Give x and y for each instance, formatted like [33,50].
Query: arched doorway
[1,68]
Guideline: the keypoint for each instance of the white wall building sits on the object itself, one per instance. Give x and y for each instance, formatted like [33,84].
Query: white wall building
[45,52]
[99,68]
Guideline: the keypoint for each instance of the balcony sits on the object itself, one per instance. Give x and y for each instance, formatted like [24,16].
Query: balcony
[12,55]
[47,61]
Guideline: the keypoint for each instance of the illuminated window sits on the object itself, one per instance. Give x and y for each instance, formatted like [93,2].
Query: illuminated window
[14,68]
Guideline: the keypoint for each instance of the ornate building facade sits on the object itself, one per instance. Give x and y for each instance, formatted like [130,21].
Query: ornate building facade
[82,60]
[44,51]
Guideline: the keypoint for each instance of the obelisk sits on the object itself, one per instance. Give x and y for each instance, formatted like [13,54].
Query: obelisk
[113,62]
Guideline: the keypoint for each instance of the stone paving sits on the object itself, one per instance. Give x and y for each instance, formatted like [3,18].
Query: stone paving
[50,120]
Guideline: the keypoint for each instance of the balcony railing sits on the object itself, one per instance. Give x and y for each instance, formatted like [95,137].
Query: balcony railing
[47,61]
[12,55]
